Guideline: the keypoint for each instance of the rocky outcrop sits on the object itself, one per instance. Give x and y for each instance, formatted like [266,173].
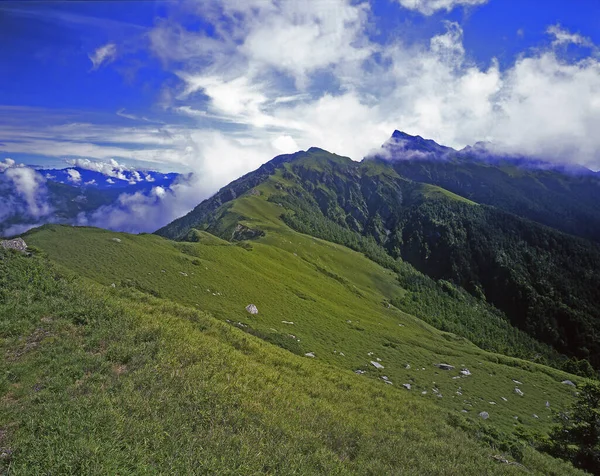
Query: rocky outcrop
[252,309]
[17,244]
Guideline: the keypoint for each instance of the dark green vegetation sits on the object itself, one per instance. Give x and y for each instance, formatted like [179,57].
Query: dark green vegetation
[544,281]
[565,199]
[102,380]
[577,438]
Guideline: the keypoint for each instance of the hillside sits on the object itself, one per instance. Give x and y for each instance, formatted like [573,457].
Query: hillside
[541,279]
[558,196]
[102,380]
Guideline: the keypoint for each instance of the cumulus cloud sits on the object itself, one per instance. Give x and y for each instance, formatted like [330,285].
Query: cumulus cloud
[74,176]
[24,192]
[429,7]
[6,164]
[143,212]
[103,55]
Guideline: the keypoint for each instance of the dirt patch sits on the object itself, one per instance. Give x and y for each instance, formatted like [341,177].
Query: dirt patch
[31,342]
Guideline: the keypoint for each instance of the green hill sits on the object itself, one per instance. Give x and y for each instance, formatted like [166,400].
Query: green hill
[544,281]
[103,380]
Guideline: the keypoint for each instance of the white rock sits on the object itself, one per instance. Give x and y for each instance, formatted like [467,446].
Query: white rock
[360,372]
[406,386]
[517,382]
[116,240]
[535,416]
[310,354]
[252,309]
[519,392]
[568,382]
[407,367]
[288,322]
[547,404]
[465,372]
[504,399]
[484,415]
[377,365]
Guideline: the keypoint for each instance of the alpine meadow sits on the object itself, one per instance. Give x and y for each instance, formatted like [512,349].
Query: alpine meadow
[221,254]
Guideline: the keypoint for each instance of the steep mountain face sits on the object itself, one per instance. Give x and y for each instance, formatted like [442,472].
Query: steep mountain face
[565,198]
[542,279]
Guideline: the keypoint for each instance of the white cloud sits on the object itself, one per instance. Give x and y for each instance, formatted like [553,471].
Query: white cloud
[74,176]
[565,37]
[429,7]
[6,164]
[103,55]
[29,185]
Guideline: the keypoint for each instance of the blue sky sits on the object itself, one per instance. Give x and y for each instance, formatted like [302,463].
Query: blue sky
[219,87]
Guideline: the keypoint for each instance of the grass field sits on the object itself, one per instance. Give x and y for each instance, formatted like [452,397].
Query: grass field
[102,380]
[337,301]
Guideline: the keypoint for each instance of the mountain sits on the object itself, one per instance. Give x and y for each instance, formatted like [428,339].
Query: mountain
[563,197]
[31,197]
[543,280]
[136,353]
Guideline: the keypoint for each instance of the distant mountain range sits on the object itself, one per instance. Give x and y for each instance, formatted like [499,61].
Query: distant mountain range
[31,197]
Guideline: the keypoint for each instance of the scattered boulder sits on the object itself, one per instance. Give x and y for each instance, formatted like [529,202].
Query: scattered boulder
[535,416]
[484,415]
[444,366]
[377,365]
[310,354]
[568,382]
[17,244]
[519,392]
[407,386]
[547,404]
[360,372]
[465,372]
[517,382]
[182,273]
[252,309]
[504,399]
[113,285]
[407,367]
[117,240]
[284,322]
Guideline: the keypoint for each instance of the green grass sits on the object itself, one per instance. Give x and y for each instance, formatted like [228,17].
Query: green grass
[337,300]
[102,380]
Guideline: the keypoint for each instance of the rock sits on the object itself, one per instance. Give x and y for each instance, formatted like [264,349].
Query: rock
[517,382]
[484,415]
[360,372]
[465,372]
[113,285]
[17,244]
[504,399]
[407,366]
[252,309]
[377,365]
[547,404]
[116,240]
[406,386]
[310,354]
[492,403]
[182,273]
[342,354]
[284,322]
[568,382]
[535,416]
[444,366]
[388,382]
[519,392]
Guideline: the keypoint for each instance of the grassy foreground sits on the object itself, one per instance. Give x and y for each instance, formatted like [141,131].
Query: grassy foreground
[99,380]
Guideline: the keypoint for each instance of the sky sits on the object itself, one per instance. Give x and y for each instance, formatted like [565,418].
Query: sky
[219,87]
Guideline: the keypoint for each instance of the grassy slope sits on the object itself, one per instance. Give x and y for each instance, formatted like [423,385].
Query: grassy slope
[114,381]
[320,287]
